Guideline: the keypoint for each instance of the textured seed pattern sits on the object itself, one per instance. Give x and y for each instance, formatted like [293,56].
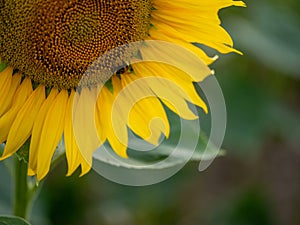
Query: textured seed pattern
[55,41]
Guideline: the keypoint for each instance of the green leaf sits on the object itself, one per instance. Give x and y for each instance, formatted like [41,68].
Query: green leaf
[169,153]
[2,66]
[1,149]
[12,220]
[109,86]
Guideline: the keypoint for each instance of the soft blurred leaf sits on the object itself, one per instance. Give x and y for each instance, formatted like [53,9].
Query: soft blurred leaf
[12,220]
[166,150]
[286,123]
[5,189]
[271,35]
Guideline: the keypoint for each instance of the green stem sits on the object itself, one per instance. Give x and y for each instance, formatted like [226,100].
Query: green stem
[21,196]
[26,189]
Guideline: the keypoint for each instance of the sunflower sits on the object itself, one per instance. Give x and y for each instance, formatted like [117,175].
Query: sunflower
[48,45]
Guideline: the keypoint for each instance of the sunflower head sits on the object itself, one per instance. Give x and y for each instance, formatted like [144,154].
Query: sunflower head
[50,44]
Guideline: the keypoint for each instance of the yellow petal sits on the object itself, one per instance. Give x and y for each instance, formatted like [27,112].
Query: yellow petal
[84,127]
[51,133]
[188,62]
[105,101]
[173,96]
[178,38]
[148,119]
[180,79]
[5,83]
[6,100]
[74,157]
[72,149]
[99,126]
[85,166]
[22,125]
[195,22]
[168,91]
[146,116]
[20,97]
[37,131]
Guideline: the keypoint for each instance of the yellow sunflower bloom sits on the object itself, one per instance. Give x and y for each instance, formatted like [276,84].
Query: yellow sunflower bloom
[48,45]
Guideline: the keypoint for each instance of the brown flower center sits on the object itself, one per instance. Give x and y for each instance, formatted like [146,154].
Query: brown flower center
[55,41]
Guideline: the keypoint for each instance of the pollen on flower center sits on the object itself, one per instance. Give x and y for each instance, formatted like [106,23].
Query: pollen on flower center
[54,41]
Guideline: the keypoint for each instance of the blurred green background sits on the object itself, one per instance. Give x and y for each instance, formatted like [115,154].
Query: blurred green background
[256,183]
